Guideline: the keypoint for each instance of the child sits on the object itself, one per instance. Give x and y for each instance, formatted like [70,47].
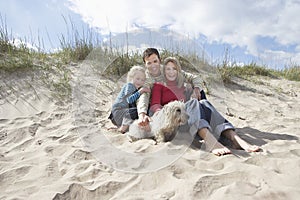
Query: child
[124,109]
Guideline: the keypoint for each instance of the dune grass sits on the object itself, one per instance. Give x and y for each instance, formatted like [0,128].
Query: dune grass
[17,58]
[291,73]
[252,69]
[75,47]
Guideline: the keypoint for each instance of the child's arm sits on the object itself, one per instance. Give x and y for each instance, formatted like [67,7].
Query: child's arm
[132,98]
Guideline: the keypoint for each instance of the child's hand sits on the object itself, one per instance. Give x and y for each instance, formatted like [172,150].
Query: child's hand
[144,90]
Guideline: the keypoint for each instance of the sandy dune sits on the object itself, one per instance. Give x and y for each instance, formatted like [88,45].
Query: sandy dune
[52,149]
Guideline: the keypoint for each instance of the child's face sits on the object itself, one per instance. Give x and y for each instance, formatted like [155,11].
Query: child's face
[139,79]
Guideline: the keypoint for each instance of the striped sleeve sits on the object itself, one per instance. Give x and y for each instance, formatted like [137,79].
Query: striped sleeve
[132,98]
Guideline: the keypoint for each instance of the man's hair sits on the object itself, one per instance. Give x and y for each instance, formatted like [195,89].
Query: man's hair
[149,51]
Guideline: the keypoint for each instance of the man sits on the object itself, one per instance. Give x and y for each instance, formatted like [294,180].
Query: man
[152,61]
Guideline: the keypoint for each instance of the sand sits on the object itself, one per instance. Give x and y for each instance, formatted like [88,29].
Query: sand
[61,149]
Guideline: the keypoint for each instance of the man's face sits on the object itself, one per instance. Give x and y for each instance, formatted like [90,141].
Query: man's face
[152,63]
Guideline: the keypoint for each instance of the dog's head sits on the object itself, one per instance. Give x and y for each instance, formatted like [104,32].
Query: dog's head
[175,113]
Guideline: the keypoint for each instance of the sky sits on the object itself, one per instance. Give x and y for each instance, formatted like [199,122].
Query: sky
[261,31]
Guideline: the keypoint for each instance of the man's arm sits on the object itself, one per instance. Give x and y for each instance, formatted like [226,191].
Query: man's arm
[142,107]
[143,104]
[196,83]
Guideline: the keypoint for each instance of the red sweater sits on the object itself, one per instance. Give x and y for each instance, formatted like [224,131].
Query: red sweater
[162,94]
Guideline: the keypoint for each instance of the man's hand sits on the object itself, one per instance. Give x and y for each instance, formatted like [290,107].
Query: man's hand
[144,90]
[143,119]
[196,93]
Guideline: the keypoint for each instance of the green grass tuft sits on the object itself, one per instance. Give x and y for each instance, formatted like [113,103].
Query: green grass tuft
[77,46]
[291,73]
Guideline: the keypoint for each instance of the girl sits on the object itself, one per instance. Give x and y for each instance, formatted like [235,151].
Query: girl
[207,121]
[124,109]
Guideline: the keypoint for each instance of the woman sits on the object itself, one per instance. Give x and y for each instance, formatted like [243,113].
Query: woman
[207,121]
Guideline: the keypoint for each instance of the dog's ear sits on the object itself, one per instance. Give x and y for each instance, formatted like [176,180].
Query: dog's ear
[167,110]
[166,116]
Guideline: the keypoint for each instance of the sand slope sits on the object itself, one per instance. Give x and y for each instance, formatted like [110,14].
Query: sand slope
[51,149]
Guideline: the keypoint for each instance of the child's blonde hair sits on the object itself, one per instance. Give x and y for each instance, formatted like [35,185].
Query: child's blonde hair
[133,71]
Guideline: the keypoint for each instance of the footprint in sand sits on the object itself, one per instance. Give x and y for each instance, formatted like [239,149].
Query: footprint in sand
[42,115]
[68,138]
[167,195]
[3,135]
[296,152]
[52,169]
[177,172]
[106,191]
[33,128]
[78,156]
[11,175]
[207,185]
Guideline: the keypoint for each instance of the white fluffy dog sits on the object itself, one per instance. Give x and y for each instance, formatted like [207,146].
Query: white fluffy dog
[163,125]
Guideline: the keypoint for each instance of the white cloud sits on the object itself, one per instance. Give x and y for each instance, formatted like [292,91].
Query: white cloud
[236,22]
[20,43]
[279,58]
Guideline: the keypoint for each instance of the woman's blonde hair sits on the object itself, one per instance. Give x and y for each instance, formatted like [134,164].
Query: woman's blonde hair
[180,78]
[133,71]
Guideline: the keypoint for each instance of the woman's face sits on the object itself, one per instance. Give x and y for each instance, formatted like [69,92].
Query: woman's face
[171,71]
